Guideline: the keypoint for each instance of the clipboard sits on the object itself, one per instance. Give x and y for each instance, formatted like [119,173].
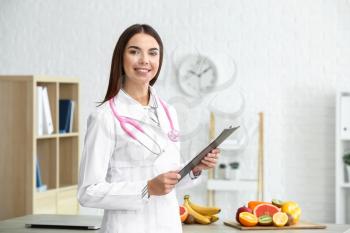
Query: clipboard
[214,144]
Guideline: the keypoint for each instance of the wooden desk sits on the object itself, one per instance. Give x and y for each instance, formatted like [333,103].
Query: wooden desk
[16,225]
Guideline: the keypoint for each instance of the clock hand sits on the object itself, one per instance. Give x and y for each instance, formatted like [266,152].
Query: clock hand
[199,64]
[204,71]
[192,72]
[199,83]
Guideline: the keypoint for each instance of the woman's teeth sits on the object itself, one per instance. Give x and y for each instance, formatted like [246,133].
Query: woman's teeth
[142,70]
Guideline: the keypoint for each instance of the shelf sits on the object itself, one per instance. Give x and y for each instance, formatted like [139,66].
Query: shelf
[61,135]
[232,185]
[74,187]
[345,185]
[48,136]
[45,193]
[66,135]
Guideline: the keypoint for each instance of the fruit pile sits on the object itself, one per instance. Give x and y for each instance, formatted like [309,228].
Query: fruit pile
[277,213]
[194,213]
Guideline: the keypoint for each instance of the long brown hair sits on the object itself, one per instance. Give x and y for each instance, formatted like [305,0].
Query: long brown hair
[116,77]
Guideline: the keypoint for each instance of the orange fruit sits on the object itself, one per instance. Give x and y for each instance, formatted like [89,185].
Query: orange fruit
[183,213]
[252,204]
[280,219]
[265,209]
[248,219]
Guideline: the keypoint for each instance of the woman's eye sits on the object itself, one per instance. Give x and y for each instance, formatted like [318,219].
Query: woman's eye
[153,53]
[134,52]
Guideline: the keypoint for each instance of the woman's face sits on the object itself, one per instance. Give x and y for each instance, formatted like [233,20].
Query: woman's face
[141,59]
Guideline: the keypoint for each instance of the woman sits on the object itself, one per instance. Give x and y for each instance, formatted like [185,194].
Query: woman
[131,154]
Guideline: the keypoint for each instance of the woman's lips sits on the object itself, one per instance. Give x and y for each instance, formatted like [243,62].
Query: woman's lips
[142,70]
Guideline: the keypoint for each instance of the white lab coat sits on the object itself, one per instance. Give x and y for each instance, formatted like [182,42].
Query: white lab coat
[115,168]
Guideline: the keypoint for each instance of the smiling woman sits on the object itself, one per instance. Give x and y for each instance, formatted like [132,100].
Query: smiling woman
[141,63]
[131,156]
[126,44]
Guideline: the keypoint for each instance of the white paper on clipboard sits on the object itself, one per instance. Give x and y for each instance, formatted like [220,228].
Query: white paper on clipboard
[214,144]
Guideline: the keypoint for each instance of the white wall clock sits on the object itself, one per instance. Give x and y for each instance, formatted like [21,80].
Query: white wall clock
[197,75]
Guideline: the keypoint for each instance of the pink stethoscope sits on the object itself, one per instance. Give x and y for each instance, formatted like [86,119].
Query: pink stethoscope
[173,134]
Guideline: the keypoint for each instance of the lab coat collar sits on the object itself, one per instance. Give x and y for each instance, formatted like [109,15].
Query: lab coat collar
[128,107]
[152,101]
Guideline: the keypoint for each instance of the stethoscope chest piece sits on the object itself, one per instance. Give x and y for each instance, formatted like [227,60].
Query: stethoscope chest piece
[174,135]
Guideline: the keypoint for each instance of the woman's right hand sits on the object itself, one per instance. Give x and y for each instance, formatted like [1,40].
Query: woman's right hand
[163,183]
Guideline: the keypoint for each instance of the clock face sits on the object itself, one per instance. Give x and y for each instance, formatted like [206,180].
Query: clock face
[197,75]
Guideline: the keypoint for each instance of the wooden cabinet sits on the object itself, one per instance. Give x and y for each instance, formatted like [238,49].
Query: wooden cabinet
[21,147]
[67,201]
[45,202]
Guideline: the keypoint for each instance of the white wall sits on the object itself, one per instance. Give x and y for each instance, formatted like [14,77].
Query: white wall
[291,57]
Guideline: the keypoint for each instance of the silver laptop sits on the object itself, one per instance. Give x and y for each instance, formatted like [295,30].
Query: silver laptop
[82,222]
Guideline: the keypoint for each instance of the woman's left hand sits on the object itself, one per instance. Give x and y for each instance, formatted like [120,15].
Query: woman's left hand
[209,161]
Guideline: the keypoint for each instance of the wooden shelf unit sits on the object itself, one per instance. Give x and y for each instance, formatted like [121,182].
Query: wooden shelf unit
[20,145]
[257,184]
[342,146]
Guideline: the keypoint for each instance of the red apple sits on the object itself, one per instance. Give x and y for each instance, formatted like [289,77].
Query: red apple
[242,209]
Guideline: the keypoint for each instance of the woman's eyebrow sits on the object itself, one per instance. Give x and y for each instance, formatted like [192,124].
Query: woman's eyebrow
[153,49]
[133,47]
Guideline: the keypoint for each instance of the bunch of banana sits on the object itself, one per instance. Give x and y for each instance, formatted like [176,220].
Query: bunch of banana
[200,214]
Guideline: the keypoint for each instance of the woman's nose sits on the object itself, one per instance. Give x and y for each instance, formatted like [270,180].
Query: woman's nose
[144,59]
